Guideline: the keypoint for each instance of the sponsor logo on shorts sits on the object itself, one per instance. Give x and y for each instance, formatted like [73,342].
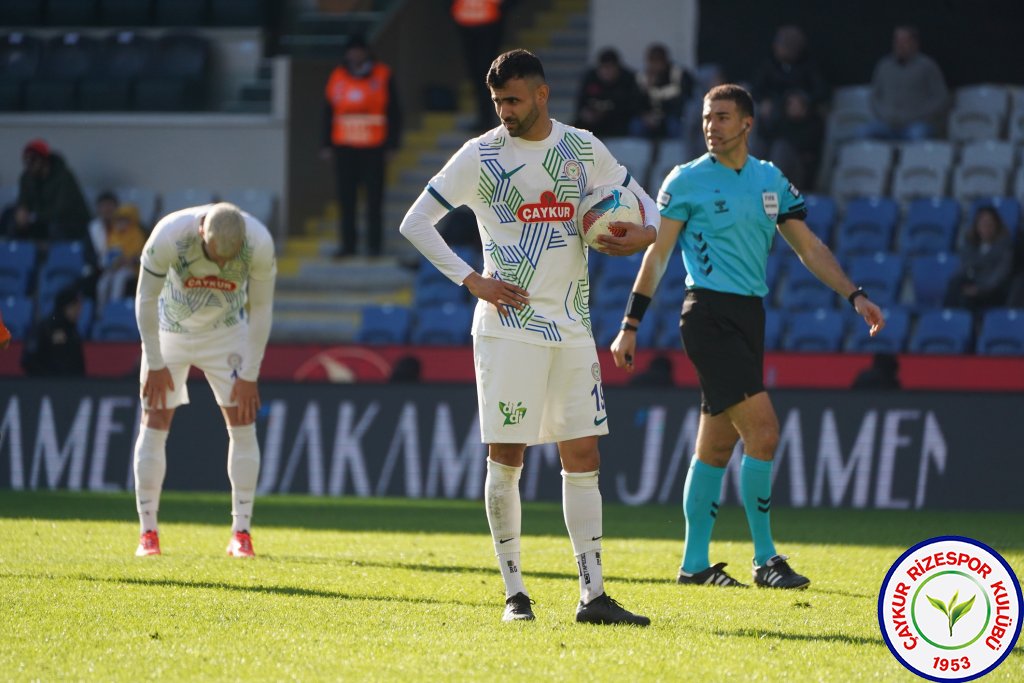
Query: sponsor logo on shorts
[514,412]
[595,371]
[598,421]
[210,282]
[572,169]
[949,609]
[547,210]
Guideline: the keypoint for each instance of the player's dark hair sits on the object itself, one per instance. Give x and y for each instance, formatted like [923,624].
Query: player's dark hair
[514,64]
[733,93]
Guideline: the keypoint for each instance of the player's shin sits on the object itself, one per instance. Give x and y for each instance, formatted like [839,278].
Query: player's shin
[581,504]
[150,467]
[505,518]
[244,472]
[701,494]
[756,491]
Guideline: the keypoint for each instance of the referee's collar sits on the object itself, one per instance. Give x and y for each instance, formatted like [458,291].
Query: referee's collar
[714,160]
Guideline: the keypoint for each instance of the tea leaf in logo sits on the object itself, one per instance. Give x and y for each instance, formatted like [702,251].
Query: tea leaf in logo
[959,611]
[938,604]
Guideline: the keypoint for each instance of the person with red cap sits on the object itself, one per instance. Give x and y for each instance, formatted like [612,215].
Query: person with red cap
[50,203]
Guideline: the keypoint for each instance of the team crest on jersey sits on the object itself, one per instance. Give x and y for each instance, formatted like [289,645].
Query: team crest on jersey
[235,363]
[547,210]
[210,282]
[595,371]
[770,202]
[572,169]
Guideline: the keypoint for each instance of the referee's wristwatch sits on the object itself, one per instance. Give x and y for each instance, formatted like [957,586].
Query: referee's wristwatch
[628,327]
[856,293]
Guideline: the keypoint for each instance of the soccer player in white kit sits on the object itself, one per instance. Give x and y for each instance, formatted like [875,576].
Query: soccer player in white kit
[537,373]
[200,267]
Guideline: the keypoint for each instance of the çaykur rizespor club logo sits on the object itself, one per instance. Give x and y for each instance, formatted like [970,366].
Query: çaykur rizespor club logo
[949,609]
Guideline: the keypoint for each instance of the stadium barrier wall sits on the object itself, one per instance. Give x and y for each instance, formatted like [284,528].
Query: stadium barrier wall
[838,449]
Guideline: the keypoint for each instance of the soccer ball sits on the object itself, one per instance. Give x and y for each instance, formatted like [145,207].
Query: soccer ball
[603,206]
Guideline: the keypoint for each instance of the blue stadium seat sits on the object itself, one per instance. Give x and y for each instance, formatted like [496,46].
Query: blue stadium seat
[616,281]
[469,254]
[930,226]
[930,275]
[821,216]
[946,330]
[86,318]
[1008,208]
[428,274]
[774,326]
[64,264]
[880,274]
[17,312]
[821,331]
[801,290]
[17,260]
[384,325]
[892,338]
[868,225]
[776,268]
[668,335]
[445,325]
[117,322]
[1002,333]
[21,56]
[438,292]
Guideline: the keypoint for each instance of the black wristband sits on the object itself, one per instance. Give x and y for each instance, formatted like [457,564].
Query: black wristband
[628,326]
[637,305]
[854,294]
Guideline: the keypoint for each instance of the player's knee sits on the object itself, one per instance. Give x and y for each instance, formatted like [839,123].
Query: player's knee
[763,443]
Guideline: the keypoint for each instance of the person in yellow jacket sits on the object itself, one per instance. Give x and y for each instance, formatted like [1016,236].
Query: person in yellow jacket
[362,126]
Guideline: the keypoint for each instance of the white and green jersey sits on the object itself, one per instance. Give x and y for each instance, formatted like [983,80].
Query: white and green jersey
[197,294]
[525,195]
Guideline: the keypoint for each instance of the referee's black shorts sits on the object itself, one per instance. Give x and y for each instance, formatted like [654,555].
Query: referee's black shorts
[724,337]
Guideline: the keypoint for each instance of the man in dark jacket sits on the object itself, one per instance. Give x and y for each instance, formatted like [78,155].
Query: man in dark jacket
[55,348]
[50,204]
[609,97]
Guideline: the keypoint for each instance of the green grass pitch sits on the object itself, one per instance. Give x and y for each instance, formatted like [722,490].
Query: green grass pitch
[386,589]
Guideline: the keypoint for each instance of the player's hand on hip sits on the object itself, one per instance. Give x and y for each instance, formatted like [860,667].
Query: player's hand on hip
[155,388]
[497,292]
[246,396]
[635,238]
[871,313]
[623,349]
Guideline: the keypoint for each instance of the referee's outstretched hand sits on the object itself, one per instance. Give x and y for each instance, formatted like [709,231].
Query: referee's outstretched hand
[871,313]
[635,238]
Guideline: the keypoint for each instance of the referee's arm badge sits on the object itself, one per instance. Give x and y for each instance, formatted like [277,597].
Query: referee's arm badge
[664,199]
[770,202]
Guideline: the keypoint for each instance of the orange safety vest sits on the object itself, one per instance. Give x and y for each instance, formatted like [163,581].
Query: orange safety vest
[476,12]
[359,107]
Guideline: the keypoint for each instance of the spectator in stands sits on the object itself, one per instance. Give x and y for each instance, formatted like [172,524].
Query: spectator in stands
[362,127]
[908,92]
[100,226]
[51,205]
[789,69]
[883,373]
[986,264]
[124,250]
[658,374]
[54,348]
[664,87]
[609,97]
[793,140]
[480,24]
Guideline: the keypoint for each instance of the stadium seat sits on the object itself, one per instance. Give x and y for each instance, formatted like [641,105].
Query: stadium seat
[774,323]
[69,57]
[71,12]
[181,12]
[126,12]
[892,338]
[259,203]
[446,325]
[999,153]
[868,225]
[616,280]
[117,322]
[671,153]
[1008,208]
[930,275]
[86,318]
[65,261]
[469,254]
[923,170]
[821,216]
[17,312]
[236,13]
[775,269]
[384,325]
[633,153]
[880,274]
[821,330]
[863,169]
[978,113]
[176,200]
[945,331]
[21,57]
[178,79]
[668,335]
[851,110]
[126,57]
[428,274]
[1002,333]
[1018,184]
[438,292]
[930,226]
[17,261]
[801,290]
[971,182]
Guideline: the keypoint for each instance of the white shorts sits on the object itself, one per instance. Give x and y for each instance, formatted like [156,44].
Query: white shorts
[218,353]
[533,394]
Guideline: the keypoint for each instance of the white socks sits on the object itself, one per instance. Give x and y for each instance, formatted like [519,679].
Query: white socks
[244,471]
[505,517]
[581,504]
[150,466]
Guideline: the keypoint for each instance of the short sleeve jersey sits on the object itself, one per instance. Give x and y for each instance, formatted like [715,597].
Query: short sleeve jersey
[730,219]
[525,195]
[198,295]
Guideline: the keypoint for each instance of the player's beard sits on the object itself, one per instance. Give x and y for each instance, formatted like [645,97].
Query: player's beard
[520,126]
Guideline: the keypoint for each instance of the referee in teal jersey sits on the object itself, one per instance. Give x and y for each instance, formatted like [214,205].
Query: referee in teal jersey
[721,211]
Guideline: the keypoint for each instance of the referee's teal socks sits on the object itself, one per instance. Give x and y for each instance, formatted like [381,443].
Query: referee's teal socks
[701,493]
[756,492]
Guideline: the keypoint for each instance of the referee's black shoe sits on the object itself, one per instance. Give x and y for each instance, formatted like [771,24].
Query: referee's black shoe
[776,573]
[712,576]
[517,608]
[604,610]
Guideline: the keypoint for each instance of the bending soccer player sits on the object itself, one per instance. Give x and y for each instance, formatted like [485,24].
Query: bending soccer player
[721,211]
[200,267]
[537,374]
